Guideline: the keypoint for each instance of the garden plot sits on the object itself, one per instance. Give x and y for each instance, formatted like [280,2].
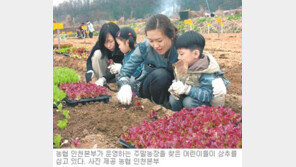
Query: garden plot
[99,125]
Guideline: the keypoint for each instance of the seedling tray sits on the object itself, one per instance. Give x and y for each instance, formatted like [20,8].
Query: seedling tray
[125,144]
[104,99]
[56,106]
[56,52]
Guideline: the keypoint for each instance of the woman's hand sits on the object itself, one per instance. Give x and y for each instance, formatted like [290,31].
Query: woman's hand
[124,95]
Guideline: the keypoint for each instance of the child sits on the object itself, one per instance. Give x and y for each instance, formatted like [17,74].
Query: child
[204,83]
[106,48]
[126,39]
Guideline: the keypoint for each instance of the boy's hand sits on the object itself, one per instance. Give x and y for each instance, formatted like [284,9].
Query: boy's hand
[179,88]
[219,87]
[172,91]
[176,96]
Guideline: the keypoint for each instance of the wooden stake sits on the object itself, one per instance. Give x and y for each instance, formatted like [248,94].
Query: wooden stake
[219,29]
[58,31]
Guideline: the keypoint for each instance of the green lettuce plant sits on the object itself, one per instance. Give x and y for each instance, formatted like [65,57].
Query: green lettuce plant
[64,75]
[58,95]
[57,141]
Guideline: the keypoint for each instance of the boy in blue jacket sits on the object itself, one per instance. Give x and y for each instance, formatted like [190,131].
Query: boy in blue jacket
[204,83]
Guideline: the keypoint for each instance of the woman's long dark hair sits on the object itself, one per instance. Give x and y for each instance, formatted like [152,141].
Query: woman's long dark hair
[106,28]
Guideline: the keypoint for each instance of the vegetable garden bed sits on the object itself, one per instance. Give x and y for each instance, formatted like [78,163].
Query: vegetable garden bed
[201,127]
[100,125]
[82,93]
[72,103]
[74,52]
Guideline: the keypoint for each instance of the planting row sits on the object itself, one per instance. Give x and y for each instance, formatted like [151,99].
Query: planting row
[74,52]
[201,127]
[66,86]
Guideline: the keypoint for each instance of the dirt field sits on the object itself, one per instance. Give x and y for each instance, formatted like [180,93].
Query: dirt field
[98,125]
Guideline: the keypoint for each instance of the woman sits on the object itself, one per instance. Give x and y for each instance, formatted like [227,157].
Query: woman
[106,48]
[158,53]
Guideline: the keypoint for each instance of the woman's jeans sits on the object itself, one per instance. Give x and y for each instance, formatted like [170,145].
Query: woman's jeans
[155,86]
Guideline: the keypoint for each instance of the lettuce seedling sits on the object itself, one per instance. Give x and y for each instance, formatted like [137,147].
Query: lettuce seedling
[82,90]
[66,114]
[58,95]
[75,142]
[64,75]
[200,127]
[62,123]
[56,141]
[60,107]
[139,106]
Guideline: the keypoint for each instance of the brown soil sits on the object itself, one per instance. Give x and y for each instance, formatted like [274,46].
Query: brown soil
[228,52]
[99,125]
[103,122]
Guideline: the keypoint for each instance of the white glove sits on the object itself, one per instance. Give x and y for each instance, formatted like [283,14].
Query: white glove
[171,88]
[179,88]
[101,81]
[115,68]
[124,95]
[219,87]
[176,96]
